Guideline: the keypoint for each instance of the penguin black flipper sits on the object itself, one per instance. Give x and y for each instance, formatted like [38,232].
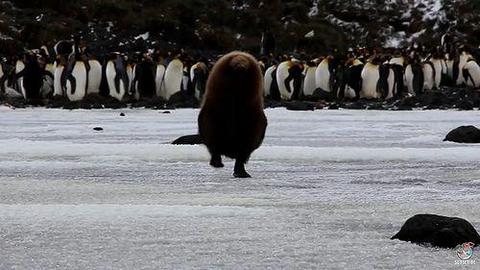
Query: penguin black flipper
[274,91]
[382,84]
[455,71]
[67,75]
[467,76]
[120,74]
[398,78]
[87,68]
[418,78]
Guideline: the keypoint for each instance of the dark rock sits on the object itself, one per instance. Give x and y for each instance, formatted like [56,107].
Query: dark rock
[183,100]
[97,128]
[409,102]
[404,108]
[320,94]
[300,106]
[270,103]
[166,112]
[188,139]
[464,105]
[438,231]
[358,105]
[334,106]
[122,114]
[152,103]
[375,106]
[434,99]
[464,134]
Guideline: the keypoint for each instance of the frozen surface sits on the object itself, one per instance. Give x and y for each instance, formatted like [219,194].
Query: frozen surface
[329,190]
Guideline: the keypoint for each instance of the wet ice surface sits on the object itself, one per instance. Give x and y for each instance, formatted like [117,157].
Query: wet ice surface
[329,189]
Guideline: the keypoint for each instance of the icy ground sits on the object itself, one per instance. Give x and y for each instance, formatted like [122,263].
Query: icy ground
[329,189]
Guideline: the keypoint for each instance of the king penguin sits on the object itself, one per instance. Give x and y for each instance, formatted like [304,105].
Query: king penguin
[370,78]
[471,73]
[173,79]
[199,76]
[75,74]
[309,83]
[116,75]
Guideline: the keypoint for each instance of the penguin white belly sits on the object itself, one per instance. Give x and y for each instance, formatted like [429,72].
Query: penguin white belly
[439,71]
[11,93]
[370,76]
[309,83]
[173,78]
[282,74]
[19,66]
[185,79]
[428,77]
[473,80]
[110,74]
[449,64]
[94,77]
[57,81]
[409,79]
[267,80]
[79,72]
[22,88]
[461,64]
[322,76]
[130,72]
[391,84]
[47,86]
[349,92]
[160,79]
[1,71]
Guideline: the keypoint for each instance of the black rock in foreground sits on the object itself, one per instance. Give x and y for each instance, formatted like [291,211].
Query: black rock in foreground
[188,139]
[464,134]
[439,231]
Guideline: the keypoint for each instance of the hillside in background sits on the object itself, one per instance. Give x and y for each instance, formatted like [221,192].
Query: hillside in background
[219,25]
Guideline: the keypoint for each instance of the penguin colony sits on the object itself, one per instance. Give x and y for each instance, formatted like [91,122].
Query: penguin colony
[71,71]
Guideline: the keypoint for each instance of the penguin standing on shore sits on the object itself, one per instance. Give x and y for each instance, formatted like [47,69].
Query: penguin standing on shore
[159,79]
[199,76]
[281,75]
[370,80]
[471,73]
[144,78]
[325,77]
[94,73]
[309,84]
[268,80]
[29,76]
[75,75]
[116,76]
[397,65]
[351,83]
[173,78]
[414,75]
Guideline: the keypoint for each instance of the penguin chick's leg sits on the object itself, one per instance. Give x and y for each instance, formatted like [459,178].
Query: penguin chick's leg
[216,161]
[239,170]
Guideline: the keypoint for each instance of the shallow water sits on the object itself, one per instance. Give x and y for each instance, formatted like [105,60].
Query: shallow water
[329,189]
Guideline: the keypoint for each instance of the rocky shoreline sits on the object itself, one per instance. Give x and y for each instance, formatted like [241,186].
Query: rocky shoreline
[447,98]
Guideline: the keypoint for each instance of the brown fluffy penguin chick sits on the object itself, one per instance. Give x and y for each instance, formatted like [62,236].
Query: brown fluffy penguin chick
[232,122]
